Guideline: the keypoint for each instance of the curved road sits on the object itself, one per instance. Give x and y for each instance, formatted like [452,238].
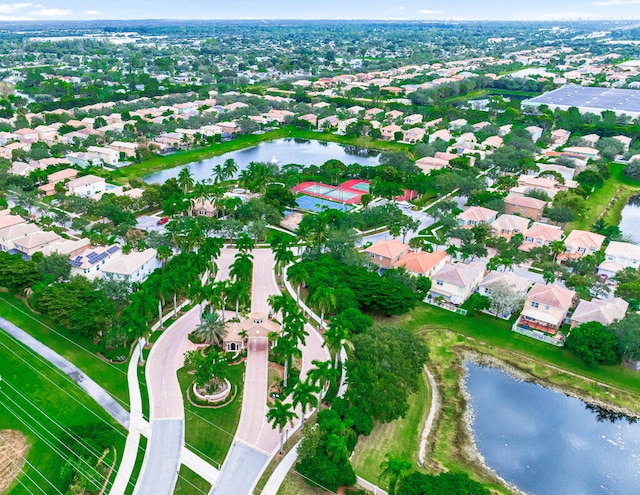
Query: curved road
[164,451]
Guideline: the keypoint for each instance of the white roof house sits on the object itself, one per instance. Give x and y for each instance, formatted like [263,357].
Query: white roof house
[618,256]
[133,267]
[603,311]
[86,185]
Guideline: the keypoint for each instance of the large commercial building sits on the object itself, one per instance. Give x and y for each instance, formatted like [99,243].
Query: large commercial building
[590,100]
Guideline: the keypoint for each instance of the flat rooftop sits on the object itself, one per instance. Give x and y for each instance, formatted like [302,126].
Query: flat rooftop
[619,100]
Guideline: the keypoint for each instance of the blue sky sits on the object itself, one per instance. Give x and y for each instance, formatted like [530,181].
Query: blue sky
[323,9]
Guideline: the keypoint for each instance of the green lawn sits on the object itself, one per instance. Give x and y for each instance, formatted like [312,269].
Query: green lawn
[494,336]
[294,484]
[189,483]
[614,194]
[209,432]
[44,404]
[400,438]
[78,350]
[137,467]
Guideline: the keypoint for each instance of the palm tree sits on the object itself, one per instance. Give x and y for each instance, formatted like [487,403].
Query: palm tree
[242,267]
[304,394]
[280,414]
[211,329]
[396,469]
[217,295]
[299,276]
[239,292]
[557,247]
[218,174]
[185,179]
[288,348]
[337,447]
[324,299]
[230,168]
[244,243]
[335,337]
[210,250]
[323,373]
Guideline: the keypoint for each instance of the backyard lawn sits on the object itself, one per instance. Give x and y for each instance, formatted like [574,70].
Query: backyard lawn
[45,405]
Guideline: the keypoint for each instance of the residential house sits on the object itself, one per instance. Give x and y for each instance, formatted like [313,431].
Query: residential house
[203,208]
[129,149]
[581,243]
[421,263]
[492,142]
[617,256]
[67,247]
[413,135]
[443,134]
[535,131]
[343,124]
[583,152]
[524,206]
[455,282]
[509,225]
[604,311]
[456,124]
[427,164]
[386,253]
[393,115]
[389,132]
[134,267]
[90,261]
[15,231]
[26,135]
[229,127]
[328,122]
[312,118]
[355,110]
[106,155]
[519,285]
[52,179]
[548,185]
[279,116]
[546,308]
[372,112]
[590,140]
[626,141]
[413,119]
[87,185]
[34,242]
[47,134]
[559,137]
[539,235]
[476,215]
[7,137]
[83,159]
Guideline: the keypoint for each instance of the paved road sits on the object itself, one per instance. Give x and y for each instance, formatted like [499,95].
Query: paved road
[100,395]
[160,468]
[240,470]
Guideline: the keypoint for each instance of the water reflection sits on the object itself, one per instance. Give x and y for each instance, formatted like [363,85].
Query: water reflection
[603,414]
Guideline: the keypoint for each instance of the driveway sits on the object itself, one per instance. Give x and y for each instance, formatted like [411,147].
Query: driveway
[161,464]
[149,223]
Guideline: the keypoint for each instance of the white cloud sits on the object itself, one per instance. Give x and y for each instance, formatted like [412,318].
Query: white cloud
[10,8]
[26,11]
[92,12]
[429,12]
[612,3]
[46,12]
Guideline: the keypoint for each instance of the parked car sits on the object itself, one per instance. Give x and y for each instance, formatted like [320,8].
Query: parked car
[163,220]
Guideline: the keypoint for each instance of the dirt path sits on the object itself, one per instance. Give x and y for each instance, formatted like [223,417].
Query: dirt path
[13,449]
[434,407]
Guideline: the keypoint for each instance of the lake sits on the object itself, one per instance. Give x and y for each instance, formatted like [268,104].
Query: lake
[630,222]
[545,442]
[281,152]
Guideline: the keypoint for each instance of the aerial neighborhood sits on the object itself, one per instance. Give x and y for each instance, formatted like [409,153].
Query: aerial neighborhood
[283,251]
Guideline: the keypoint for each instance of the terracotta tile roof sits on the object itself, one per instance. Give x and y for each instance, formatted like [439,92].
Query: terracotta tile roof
[477,214]
[551,295]
[459,274]
[420,262]
[388,249]
[584,239]
[510,222]
[524,201]
[615,248]
[603,311]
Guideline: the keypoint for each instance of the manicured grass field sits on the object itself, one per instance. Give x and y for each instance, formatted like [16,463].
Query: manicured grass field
[137,467]
[209,432]
[45,405]
[189,483]
[80,351]
[294,484]
[400,438]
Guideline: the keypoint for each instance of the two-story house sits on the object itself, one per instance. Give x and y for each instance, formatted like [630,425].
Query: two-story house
[389,132]
[386,253]
[476,215]
[87,185]
[546,308]
[90,262]
[539,235]
[455,282]
[421,263]
[509,225]
[618,256]
[581,243]
[604,311]
[494,281]
[134,267]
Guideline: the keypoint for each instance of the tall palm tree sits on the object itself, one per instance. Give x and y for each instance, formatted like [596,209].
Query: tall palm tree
[299,276]
[337,447]
[324,299]
[211,329]
[304,394]
[230,168]
[242,267]
[219,174]
[244,243]
[288,348]
[556,248]
[323,373]
[396,469]
[279,415]
[185,180]
[210,251]
[217,294]
[335,337]
[239,293]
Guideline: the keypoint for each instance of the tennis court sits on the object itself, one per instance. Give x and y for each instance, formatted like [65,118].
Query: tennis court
[318,204]
[361,186]
[319,189]
[340,194]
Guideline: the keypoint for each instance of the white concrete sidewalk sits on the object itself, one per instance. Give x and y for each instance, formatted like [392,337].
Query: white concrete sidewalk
[280,472]
[199,466]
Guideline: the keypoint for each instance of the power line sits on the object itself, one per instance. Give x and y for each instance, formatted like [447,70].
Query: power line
[24,473]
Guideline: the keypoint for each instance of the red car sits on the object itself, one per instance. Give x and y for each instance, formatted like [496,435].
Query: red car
[163,220]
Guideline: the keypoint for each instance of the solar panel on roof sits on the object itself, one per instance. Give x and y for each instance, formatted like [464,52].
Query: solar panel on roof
[113,249]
